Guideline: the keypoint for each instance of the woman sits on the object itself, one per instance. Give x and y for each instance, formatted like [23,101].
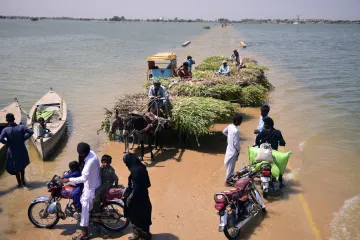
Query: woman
[138,206]
[237,59]
[14,137]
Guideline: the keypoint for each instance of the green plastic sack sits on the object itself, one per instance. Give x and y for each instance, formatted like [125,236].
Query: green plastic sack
[44,114]
[281,158]
[275,171]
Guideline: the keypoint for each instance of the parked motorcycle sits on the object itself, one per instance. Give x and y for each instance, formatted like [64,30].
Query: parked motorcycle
[45,212]
[237,206]
[263,171]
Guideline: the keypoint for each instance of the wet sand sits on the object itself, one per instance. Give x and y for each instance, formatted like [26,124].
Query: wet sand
[183,184]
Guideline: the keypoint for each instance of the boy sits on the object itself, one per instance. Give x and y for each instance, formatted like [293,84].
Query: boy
[108,178]
[264,114]
[74,167]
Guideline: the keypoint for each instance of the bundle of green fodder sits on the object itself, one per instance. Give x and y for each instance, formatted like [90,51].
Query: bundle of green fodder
[194,115]
[252,74]
[197,115]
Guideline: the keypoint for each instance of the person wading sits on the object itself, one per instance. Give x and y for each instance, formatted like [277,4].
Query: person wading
[14,137]
[138,206]
[90,176]
[272,136]
[233,145]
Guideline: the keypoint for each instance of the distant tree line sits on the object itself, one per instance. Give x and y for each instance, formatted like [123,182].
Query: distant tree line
[176,19]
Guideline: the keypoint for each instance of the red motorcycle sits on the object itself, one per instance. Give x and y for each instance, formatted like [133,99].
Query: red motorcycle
[45,212]
[237,206]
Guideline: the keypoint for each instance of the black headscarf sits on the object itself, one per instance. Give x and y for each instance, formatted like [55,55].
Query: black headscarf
[138,170]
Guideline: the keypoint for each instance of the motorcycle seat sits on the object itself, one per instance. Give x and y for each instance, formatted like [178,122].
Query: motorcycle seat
[234,193]
[242,183]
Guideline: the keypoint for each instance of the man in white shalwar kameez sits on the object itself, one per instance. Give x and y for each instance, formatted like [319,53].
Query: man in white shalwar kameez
[91,178]
[233,145]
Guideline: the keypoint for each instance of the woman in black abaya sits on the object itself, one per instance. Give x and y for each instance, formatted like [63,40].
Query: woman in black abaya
[138,206]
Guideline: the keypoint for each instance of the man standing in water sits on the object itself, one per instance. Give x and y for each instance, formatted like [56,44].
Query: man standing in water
[264,114]
[14,136]
[233,145]
[90,176]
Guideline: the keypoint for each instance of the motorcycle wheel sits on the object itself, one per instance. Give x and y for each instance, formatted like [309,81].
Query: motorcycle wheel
[232,234]
[122,223]
[34,211]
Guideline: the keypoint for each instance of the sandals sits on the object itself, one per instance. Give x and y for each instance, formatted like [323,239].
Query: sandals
[80,237]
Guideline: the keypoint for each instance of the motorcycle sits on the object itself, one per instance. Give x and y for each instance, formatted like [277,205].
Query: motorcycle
[45,212]
[237,206]
[268,181]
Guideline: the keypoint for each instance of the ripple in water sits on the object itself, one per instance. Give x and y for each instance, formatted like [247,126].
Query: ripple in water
[346,222]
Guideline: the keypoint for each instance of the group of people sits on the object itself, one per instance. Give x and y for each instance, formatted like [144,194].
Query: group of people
[185,70]
[91,180]
[225,68]
[94,181]
[265,133]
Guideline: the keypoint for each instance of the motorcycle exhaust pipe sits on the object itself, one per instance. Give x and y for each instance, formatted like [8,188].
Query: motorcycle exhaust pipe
[242,223]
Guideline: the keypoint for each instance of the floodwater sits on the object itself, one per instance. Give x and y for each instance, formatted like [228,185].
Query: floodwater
[315,105]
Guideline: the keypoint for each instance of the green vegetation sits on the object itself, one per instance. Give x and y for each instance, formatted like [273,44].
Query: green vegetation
[206,99]
[196,115]
[206,27]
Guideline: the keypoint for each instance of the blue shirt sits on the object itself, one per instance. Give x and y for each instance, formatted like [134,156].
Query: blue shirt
[190,63]
[74,174]
[224,69]
[261,123]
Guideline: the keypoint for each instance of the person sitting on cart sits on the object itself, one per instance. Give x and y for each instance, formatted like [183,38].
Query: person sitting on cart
[184,71]
[158,98]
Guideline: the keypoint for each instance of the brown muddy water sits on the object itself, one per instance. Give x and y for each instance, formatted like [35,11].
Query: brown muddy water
[92,63]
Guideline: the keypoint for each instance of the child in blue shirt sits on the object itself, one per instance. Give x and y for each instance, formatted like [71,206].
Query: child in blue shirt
[77,190]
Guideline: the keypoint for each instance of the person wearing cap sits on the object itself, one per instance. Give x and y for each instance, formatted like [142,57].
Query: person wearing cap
[190,62]
[158,98]
[184,71]
[224,69]
[17,158]
[233,145]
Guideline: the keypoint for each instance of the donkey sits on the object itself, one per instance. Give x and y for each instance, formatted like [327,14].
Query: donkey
[138,127]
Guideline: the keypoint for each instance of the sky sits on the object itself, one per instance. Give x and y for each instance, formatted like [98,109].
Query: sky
[205,9]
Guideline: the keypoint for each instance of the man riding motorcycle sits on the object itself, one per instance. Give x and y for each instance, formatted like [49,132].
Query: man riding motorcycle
[158,98]
[91,178]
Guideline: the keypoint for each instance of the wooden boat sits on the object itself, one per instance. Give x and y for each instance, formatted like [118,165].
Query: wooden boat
[242,44]
[54,110]
[13,108]
[186,43]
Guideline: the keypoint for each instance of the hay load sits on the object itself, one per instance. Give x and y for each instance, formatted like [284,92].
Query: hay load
[206,99]
[247,87]
[194,115]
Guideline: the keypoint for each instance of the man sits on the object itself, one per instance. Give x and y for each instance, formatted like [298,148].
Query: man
[233,145]
[17,158]
[272,136]
[224,69]
[184,71]
[190,62]
[90,176]
[43,132]
[158,98]
[264,114]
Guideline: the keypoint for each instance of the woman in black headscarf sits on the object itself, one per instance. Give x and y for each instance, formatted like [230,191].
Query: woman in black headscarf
[138,206]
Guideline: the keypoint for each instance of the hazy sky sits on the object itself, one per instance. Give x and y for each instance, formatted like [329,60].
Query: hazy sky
[206,9]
